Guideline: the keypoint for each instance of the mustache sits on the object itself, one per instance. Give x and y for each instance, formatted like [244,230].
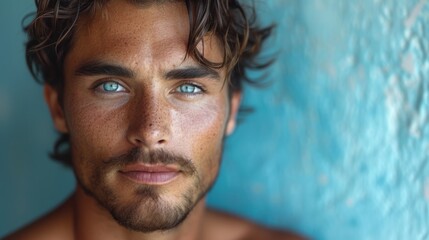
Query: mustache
[153,157]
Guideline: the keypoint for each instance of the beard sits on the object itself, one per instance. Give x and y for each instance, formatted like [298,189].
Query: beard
[148,208]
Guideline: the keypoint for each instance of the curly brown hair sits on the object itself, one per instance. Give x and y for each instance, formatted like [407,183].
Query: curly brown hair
[50,36]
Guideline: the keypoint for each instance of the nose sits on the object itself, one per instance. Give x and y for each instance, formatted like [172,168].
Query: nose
[149,123]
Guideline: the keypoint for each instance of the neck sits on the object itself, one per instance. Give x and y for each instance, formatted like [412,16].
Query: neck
[91,221]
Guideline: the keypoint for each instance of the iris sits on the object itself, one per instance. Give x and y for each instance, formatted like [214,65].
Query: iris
[110,86]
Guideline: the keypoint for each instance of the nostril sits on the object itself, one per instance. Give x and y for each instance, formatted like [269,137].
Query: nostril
[161,141]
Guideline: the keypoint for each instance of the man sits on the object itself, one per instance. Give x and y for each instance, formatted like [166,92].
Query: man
[144,93]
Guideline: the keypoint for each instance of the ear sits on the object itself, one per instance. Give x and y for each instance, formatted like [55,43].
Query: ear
[51,98]
[235,106]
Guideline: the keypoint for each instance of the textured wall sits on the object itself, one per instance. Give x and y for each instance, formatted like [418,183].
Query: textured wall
[337,147]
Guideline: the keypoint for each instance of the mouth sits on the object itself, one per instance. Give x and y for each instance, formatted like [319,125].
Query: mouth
[150,174]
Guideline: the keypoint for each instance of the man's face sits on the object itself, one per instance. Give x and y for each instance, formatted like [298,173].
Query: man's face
[146,125]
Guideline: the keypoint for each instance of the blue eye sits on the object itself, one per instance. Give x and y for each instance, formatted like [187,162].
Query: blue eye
[189,89]
[112,87]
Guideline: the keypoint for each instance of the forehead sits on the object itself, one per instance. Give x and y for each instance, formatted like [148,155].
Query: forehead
[120,25]
[147,33]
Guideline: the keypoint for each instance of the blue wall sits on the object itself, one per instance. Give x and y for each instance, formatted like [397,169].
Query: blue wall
[337,147]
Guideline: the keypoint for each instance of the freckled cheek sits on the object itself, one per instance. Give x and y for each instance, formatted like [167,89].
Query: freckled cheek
[93,128]
[202,134]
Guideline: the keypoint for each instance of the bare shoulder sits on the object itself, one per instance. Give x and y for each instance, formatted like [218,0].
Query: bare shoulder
[229,227]
[54,225]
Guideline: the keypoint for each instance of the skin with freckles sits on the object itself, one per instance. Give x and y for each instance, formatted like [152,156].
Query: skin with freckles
[145,111]
[146,126]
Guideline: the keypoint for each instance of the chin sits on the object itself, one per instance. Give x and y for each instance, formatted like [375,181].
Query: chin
[147,208]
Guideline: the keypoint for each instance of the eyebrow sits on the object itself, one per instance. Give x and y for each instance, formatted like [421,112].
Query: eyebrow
[192,72]
[95,68]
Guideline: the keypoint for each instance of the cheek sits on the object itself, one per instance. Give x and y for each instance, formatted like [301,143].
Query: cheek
[202,132]
[204,126]
[93,128]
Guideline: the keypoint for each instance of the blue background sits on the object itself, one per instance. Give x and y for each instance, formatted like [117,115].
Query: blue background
[337,147]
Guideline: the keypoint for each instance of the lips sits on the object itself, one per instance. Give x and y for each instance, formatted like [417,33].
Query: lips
[150,174]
